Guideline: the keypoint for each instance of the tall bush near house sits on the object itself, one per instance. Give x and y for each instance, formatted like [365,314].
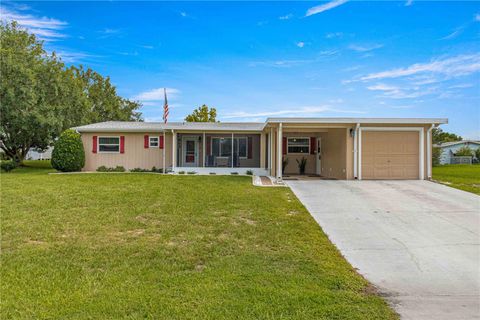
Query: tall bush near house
[464,151]
[68,154]
[477,154]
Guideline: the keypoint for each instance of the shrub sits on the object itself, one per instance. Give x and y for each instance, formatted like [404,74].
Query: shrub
[106,169]
[159,170]
[68,154]
[191,172]
[139,170]
[234,173]
[181,172]
[284,164]
[302,164]
[8,165]
[477,154]
[250,172]
[464,151]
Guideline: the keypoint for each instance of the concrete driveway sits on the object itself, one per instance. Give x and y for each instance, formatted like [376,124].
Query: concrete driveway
[417,241]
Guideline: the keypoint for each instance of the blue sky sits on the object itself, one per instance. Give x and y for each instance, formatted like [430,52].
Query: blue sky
[253,60]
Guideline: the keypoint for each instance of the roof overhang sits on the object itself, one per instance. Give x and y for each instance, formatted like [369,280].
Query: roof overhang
[359,120]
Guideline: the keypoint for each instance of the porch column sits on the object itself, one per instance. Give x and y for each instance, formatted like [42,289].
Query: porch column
[355,151]
[279,152]
[429,152]
[270,152]
[203,150]
[174,150]
[262,150]
[359,162]
[163,154]
[232,150]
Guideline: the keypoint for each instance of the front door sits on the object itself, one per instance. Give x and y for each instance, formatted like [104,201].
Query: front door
[190,152]
[318,155]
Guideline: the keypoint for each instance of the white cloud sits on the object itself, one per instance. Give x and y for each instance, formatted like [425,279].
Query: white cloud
[452,67]
[286,17]
[477,17]
[364,48]
[72,57]
[47,29]
[332,35]
[454,34]
[462,86]
[310,110]
[300,44]
[324,7]
[408,3]
[156,94]
[396,92]
[183,14]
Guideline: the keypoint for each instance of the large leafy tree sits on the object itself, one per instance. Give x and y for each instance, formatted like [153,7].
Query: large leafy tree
[40,97]
[202,114]
[439,136]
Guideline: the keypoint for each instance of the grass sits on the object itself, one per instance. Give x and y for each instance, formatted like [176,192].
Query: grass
[139,246]
[460,176]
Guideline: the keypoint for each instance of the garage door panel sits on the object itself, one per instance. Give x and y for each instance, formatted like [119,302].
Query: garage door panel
[390,155]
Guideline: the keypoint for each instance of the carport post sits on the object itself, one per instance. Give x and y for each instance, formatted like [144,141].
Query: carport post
[359,170]
[279,152]
[429,152]
[355,151]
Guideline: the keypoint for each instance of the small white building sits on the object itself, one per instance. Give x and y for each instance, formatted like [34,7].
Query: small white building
[33,154]
[449,149]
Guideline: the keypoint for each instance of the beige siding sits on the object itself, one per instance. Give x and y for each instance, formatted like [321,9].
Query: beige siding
[135,156]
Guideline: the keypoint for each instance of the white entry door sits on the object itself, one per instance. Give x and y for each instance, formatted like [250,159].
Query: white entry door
[318,155]
[190,152]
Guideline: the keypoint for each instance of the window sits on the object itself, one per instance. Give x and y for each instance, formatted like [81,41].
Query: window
[298,145]
[109,144]
[153,142]
[222,147]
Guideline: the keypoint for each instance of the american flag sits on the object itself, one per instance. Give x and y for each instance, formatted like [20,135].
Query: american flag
[165,106]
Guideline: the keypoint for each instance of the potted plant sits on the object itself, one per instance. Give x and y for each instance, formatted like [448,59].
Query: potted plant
[284,164]
[302,164]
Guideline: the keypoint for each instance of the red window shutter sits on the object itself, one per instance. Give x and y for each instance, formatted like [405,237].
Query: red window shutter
[160,142]
[145,141]
[250,148]
[313,145]
[122,144]
[284,145]
[208,147]
[94,144]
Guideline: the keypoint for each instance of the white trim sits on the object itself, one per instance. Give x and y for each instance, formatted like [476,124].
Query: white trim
[150,142]
[299,153]
[421,157]
[359,120]
[355,151]
[238,145]
[163,154]
[279,152]
[174,149]
[108,144]
[204,152]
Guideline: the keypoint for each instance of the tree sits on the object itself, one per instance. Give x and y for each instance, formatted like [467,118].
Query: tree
[40,97]
[436,154]
[439,136]
[103,102]
[202,114]
[464,151]
[68,154]
[477,154]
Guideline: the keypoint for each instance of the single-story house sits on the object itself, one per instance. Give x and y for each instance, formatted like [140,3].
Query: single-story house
[449,149]
[339,148]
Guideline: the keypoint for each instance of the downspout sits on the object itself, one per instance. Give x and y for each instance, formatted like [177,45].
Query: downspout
[429,152]
[279,152]
[355,151]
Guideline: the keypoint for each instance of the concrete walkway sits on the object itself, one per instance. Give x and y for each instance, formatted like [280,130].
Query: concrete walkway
[417,241]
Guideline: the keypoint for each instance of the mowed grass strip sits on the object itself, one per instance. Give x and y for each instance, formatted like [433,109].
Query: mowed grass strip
[461,176]
[144,246]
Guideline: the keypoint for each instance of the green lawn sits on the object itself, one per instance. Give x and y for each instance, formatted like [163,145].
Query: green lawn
[145,246]
[460,176]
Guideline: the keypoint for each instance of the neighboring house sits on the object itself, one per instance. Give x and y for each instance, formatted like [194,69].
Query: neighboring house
[340,148]
[449,149]
[33,154]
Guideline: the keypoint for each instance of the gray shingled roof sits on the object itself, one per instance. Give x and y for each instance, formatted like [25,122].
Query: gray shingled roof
[452,143]
[131,126]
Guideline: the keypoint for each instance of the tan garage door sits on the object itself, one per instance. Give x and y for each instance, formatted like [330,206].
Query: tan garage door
[390,155]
